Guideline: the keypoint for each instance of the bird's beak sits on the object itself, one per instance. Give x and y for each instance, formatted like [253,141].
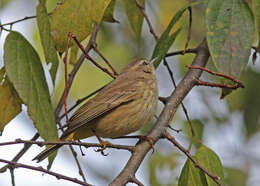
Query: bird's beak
[153,60]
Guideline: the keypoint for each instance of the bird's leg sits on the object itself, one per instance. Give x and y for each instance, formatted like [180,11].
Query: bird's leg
[102,143]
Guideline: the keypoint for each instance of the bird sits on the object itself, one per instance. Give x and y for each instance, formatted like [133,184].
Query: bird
[124,106]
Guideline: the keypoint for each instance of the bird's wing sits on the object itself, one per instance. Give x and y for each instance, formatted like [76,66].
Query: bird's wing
[101,104]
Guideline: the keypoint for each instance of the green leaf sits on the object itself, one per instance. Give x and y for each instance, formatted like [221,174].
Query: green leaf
[135,16]
[46,39]
[10,103]
[191,176]
[109,12]
[166,40]
[77,17]
[256,10]
[230,33]
[24,70]
[211,162]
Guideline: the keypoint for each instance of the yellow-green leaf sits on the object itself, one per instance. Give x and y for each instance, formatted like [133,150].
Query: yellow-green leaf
[191,175]
[109,13]
[76,16]
[256,9]
[10,103]
[135,16]
[209,160]
[50,52]
[24,70]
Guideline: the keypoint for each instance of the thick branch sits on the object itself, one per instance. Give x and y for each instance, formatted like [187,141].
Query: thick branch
[165,117]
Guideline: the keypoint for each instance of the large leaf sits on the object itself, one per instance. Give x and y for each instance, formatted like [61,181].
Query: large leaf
[211,162]
[166,40]
[24,69]
[46,39]
[230,33]
[191,176]
[256,9]
[10,103]
[134,15]
[77,17]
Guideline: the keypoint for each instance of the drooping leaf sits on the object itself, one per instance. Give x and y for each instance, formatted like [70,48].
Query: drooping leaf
[191,176]
[109,12]
[230,32]
[256,9]
[166,40]
[50,52]
[211,162]
[77,17]
[10,103]
[135,16]
[24,70]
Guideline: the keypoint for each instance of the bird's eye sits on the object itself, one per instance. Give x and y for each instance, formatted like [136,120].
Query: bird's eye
[145,63]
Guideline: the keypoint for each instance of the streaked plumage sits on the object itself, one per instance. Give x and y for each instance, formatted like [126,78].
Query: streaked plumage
[124,106]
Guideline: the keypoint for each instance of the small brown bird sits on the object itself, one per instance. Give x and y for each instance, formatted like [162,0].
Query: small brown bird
[124,106]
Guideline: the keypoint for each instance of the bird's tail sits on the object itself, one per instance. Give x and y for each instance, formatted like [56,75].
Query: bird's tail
[48,151]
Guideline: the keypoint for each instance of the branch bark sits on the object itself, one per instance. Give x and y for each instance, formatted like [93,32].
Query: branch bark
[184,87]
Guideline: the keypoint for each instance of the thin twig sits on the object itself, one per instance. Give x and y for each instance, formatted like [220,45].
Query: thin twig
[19,20]
[182,105]
[186,152]
[12,176]
[21,153]
[74,154]
[142,9]
[182,52]
[218,85]
[91,59]
[86,145]
[40,169]
[106,61]
[91,42]
[66,76]
[78,164]
[163,99]
[217,74]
